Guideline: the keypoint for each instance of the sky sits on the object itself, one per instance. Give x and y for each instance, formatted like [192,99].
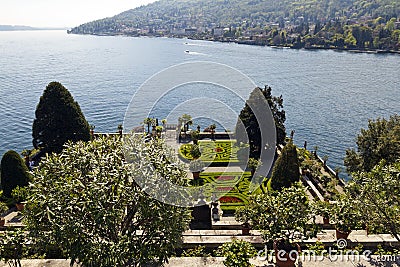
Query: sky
[61,13]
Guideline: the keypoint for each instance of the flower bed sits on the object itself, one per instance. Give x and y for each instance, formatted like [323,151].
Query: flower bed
[212,152]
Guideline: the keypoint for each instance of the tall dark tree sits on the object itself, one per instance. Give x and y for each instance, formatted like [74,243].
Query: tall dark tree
[251,124]
[13,172]
[380,141]
[58,120]
[286,168]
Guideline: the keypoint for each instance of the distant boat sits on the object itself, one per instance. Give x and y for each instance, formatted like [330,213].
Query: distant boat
[186,51]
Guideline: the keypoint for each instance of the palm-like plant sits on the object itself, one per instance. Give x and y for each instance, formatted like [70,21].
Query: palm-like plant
[148,121]
[212,128]
[186,119]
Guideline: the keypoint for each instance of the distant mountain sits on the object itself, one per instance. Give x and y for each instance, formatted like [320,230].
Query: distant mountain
[25,28]
[165,15]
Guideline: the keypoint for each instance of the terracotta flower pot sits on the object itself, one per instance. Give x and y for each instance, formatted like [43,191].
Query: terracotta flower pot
[285,256]
[20,206]
[326,220]
[196,175]
[245,229]
[341,234]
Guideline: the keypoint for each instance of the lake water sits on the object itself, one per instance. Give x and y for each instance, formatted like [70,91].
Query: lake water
[328,96]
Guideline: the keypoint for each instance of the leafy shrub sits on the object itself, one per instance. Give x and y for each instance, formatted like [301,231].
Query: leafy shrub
[195,151]
[237,253]
[286,168]
[198,251]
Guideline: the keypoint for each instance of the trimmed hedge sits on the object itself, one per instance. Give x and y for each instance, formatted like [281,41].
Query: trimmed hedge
[13,172]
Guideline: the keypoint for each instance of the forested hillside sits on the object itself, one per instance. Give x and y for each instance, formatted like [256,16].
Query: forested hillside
[250,13]
[342,24]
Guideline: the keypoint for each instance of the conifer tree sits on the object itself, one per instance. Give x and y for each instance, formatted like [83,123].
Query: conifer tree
[58,119]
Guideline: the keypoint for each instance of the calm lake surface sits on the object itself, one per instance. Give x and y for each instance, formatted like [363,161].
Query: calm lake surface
[328,96]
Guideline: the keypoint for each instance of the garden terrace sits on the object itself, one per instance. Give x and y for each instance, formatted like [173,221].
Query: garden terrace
[216,153]
[231,189]
[323,181]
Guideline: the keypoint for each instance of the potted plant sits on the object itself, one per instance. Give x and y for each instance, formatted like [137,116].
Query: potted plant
[253,164]
[164,122]
[120,128]
[237,253]
[196,166]
[325,159]
[195,151]
[195,136]
[212,128]
[159,130]
[284,218]
[3,209]
[19,194]
[345,217]
[148,121]
[92,127]
[323,208]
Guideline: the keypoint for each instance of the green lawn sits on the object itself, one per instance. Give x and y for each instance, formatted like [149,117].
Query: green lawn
[232,189]
[217,152]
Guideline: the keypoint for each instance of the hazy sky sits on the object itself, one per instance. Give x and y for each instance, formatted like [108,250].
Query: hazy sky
[61,13]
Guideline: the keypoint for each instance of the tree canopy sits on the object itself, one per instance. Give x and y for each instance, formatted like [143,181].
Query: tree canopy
[280,215]
[58,119]
[381,140]
[286,169]
[87,203]
[14,172]
[377,195]
[251,124]
[244,14]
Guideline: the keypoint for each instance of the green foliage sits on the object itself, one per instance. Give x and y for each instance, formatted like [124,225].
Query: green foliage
[58,119]
[377,198]
[217,151]
[19,194]
[380,141]
[253,164]
[286,169]
[12,248]
[232,189]
[3,207]
[198,251]
[237,253]
[196,165]
[194,135]
[318,248]
[251,124]
[345,214]
[87,202]
[186,120]
[195,151]
[323,208]
[13,172]
[286,215]
[238,14]
[148,122]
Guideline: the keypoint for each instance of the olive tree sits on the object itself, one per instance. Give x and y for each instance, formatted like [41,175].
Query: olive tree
[286,215]
[86,202]
[377,195]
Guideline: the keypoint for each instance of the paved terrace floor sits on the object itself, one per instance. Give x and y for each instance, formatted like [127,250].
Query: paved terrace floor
[374,261]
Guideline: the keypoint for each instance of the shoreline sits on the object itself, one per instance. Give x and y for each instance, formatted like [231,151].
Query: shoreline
[254,43]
